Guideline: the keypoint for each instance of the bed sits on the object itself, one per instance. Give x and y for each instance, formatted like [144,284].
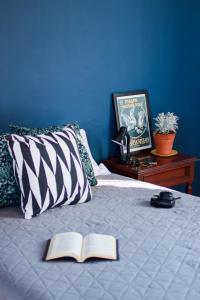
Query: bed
[159,249]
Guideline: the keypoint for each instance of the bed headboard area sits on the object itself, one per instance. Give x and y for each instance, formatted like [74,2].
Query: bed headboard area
[61,61]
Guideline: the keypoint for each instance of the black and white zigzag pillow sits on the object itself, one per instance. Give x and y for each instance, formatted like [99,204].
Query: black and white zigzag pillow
[48,170]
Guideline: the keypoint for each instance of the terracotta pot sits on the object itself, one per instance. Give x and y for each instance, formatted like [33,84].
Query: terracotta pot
[164,143]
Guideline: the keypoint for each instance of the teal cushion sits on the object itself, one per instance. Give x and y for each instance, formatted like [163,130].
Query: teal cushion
[87,165]
[9,194]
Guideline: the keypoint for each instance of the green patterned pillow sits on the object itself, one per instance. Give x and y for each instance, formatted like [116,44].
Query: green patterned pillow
[15,129]
[9,194]
[86,162]
[87,165]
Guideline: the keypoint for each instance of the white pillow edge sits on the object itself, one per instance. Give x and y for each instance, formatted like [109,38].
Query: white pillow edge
[98,169]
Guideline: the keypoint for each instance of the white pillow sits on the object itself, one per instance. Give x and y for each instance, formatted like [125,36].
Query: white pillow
[98,169]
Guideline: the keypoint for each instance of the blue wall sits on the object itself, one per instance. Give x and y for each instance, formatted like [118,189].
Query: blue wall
[61,60]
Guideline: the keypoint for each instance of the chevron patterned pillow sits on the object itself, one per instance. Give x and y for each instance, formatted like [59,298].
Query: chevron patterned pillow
[84,156]
[48,170]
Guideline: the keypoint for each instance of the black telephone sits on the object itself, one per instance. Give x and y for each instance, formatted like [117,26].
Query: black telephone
[164,200]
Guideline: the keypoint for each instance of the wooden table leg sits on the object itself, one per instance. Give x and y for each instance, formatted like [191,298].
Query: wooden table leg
[189,188]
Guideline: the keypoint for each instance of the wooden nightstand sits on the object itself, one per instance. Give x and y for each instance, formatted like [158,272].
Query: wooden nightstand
[168,172]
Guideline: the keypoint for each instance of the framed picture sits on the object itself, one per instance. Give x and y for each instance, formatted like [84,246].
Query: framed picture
[132,111]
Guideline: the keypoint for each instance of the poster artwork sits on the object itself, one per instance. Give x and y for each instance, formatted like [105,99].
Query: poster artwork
[132,113]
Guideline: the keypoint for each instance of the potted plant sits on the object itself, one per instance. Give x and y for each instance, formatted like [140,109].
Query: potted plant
[165,132]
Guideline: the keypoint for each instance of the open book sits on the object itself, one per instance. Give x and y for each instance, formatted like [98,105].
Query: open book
[73,244]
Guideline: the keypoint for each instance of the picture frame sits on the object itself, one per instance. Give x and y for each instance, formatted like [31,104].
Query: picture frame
[132,111]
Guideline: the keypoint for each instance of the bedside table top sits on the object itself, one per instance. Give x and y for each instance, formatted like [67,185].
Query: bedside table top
[163,163]
[168,172]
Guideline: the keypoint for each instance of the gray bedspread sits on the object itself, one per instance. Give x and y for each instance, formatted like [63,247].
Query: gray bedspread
[159,249]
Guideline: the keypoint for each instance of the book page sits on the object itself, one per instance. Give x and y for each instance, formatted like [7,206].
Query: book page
[99,245]
[65,244]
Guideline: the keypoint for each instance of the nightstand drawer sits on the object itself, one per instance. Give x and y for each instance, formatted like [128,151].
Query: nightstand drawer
[166,177]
